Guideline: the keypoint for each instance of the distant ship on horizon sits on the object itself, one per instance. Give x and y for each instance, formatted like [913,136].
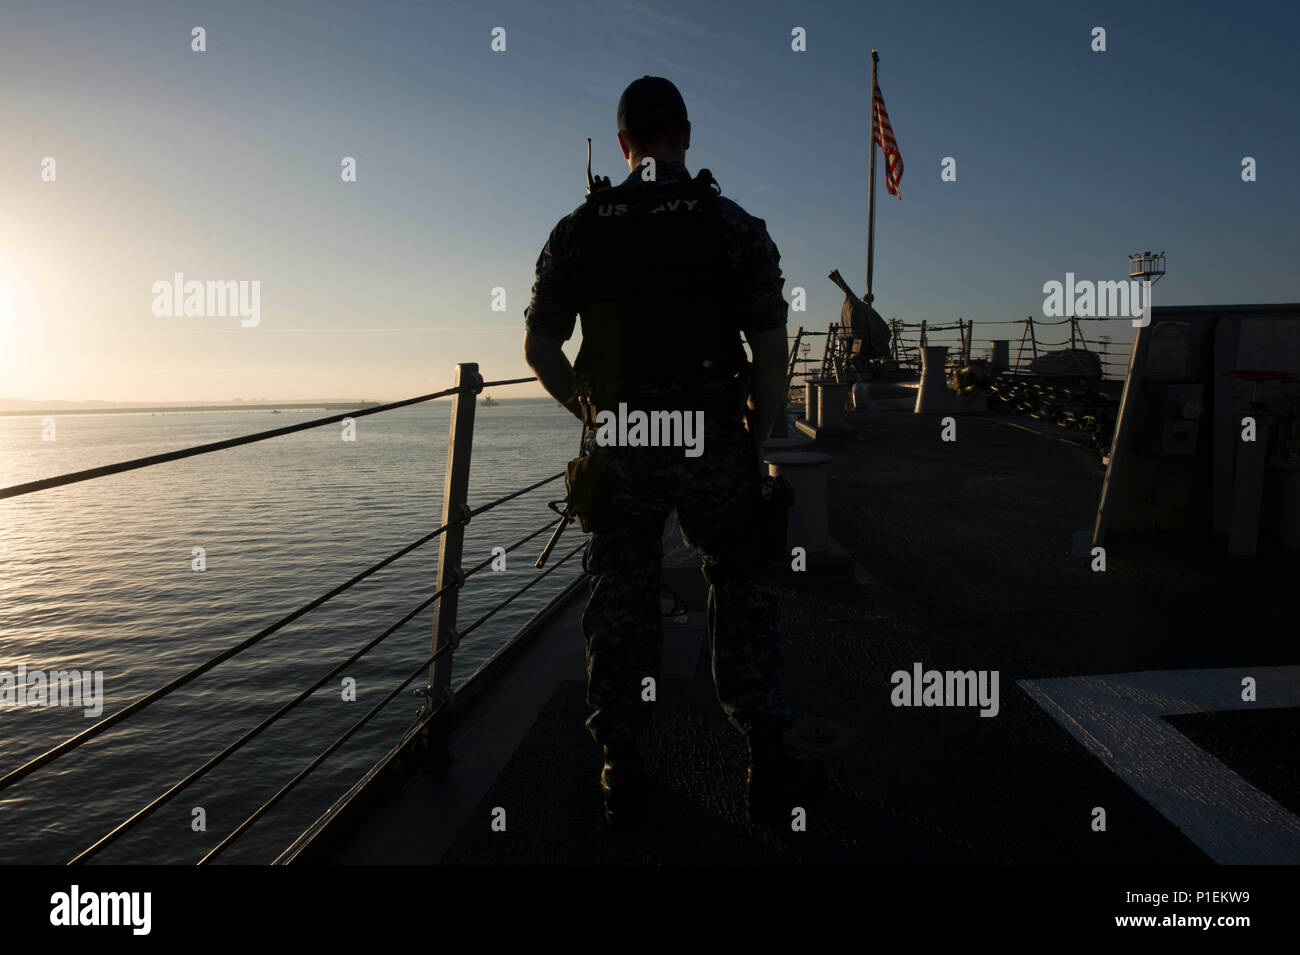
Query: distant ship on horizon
[487,401]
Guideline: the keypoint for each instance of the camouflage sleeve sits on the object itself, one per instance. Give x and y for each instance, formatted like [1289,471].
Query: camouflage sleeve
[553,310]
[758,263]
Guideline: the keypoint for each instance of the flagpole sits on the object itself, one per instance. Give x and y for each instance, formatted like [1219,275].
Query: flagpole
[871,188]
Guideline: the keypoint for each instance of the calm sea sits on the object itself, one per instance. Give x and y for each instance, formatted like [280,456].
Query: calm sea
[98,576]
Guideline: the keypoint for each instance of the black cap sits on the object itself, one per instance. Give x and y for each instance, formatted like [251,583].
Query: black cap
[651,104]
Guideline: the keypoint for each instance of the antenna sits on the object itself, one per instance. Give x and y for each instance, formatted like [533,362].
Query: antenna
[1144,265]
[597,182]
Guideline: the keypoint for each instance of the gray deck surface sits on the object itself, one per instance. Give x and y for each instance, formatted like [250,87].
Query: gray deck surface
[964,562]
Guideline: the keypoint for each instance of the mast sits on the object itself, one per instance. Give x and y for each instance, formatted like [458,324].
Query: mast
[871,188]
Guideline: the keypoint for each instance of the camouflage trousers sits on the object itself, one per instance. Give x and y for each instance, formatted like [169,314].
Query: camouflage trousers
[713,495]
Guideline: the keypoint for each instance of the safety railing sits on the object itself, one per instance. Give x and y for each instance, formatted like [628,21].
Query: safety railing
[432,719]
[908,338]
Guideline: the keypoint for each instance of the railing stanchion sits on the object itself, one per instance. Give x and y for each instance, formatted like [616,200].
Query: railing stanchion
[455,509]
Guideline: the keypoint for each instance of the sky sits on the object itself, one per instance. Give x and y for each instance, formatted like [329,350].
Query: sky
[225,165]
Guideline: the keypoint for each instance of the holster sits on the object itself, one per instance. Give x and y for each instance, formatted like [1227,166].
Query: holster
[586,494]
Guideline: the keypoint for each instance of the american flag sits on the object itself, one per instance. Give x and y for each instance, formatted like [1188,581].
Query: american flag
[885,139]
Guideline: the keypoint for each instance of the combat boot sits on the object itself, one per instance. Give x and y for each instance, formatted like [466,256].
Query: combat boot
[622,785]
[776,781]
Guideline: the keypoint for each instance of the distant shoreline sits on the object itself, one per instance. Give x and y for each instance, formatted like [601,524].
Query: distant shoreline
[181,409]
[248,406]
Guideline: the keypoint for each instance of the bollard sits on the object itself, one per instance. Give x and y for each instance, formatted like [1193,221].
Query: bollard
[830,404]
[933,395]
[861,396]
[999,355]
[807,472]
[810,400]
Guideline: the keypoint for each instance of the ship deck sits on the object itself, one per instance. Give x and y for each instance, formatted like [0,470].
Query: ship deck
[1119,690]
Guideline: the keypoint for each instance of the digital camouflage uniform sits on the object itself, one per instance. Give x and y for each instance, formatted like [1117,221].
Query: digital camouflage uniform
[713,495]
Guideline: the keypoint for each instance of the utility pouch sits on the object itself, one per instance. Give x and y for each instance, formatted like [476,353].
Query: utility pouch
[776,497]
[586,493]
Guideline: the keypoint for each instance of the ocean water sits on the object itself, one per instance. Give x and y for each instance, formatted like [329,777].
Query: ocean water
[98,576]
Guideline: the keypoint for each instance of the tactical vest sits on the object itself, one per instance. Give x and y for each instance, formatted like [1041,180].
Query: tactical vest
[661,302]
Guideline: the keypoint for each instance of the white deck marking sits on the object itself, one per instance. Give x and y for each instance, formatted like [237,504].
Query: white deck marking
[1118,718]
